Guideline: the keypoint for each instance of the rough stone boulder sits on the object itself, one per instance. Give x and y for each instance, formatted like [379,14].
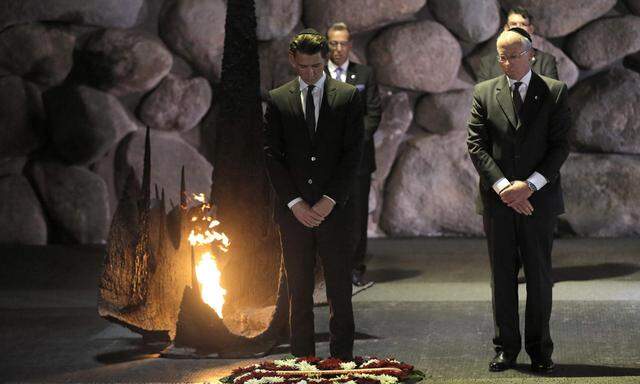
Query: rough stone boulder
[396,119]
[360,15]
[431,65]
[85,122]
[605,110]
[168,154]
[20,132]
[554,18]
[102,13]
[277,19]
[37,53]
[473,21]
[124,61]
[176,104]
[604,41]
[444,112]
[602,194]
[76,202]
[432,189]
[275,69]
[194,29]
[21,217]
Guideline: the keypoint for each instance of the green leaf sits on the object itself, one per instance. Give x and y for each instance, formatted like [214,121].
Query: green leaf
[227,379]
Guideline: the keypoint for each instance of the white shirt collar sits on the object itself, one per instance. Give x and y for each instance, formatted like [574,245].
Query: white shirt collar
[319,84]
[525,80]
[332,67]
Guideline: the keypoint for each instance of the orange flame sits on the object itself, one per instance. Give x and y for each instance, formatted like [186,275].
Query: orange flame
[207,271]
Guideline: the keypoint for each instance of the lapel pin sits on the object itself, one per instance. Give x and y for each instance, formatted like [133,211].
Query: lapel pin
[535,97]
[353,76]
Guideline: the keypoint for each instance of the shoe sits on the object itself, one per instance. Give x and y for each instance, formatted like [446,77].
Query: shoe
[546,366]
[502,362]
[358,279]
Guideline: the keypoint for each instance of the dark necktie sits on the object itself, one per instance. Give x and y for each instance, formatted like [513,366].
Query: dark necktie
[310,112]
[517,98]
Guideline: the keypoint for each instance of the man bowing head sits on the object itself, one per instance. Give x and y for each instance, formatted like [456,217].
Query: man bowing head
[313,147]
[517,140]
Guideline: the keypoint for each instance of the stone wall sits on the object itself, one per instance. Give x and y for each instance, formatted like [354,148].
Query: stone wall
[80,80]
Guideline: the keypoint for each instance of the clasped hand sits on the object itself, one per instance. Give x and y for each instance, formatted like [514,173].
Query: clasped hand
[312,216]
[516,196]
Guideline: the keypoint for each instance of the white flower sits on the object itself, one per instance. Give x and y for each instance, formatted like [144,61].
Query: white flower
[286,363]
[306,366]
[266,380]
[383,379]
[369,362]
[349,365]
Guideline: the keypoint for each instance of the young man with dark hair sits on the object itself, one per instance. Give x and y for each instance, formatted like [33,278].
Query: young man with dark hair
[313,147]
[542,63]
[340,68]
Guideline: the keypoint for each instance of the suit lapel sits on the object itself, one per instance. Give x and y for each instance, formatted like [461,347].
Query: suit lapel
[328,97]
[352,74]
[295,104]
[503,95]
[536,92]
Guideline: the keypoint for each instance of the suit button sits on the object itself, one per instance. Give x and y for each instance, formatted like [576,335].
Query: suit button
[310,181]
[313,158]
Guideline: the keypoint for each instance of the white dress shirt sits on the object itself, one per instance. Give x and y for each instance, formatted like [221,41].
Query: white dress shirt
[536,178]
[343,70]
[317,93]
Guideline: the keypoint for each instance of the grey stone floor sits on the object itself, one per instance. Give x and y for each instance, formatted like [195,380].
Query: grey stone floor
[430,307]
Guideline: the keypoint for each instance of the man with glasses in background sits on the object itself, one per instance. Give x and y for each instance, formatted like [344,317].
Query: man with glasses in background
[542,63]
[340,68]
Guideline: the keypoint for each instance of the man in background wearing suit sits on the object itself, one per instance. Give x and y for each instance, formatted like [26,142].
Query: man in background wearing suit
[340,68]
[542,63]
[313,146]
[517,140]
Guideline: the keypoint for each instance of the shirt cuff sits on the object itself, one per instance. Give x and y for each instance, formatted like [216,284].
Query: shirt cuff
[294,202]
[501,184]
[333,201]
[538,180]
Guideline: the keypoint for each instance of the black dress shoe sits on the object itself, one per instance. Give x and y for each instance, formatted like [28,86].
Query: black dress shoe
[502,362]
[358,279]
[546,366]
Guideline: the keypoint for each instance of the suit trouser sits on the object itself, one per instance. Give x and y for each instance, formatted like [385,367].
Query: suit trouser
[361,220]
[331,243]
[513,240]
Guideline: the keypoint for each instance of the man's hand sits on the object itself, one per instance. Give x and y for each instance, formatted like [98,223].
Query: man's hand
[516,192]
[522,206]
[323,207]
[305,215]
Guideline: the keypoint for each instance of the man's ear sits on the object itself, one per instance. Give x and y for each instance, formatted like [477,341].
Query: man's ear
[292,60]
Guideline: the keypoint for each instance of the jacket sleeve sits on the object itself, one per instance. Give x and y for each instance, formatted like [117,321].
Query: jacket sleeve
[557,139]
[275,156]
[339,186]
[373,112]
[479,144]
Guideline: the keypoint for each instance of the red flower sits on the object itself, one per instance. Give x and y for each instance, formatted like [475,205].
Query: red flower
[329,364]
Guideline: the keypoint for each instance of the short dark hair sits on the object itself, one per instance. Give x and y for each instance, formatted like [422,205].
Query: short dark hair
[522,12]
[309,42]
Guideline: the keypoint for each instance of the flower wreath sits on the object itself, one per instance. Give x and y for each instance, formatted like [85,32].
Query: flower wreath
[313,370]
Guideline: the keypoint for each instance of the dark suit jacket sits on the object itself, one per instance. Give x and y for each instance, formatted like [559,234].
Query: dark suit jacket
[301,167]
[363,78]
[544,64]
[500,145]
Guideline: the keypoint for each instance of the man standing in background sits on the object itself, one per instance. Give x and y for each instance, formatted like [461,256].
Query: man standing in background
[542,63]
[362,77]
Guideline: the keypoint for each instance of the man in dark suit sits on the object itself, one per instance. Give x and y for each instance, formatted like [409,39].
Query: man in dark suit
[313,147]
[543,63]
[340,68]
[517,140]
